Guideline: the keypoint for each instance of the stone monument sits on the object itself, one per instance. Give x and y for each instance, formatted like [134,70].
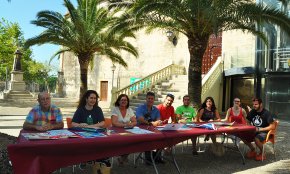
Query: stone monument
[17,83]
[17,89]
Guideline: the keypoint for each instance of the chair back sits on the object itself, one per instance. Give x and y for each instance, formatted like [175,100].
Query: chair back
[69,122]
[108,122]
[272,133]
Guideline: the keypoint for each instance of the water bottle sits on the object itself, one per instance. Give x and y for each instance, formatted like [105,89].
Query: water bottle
[90,120]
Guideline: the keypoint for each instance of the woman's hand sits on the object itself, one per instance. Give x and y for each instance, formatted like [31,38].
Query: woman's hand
[83,125]
[129,124]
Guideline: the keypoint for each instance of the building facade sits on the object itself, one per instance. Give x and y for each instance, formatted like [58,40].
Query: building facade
[156,51]
[255,69]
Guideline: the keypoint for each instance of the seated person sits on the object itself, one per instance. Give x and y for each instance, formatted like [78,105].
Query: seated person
[89,115]
[166,109]
[186,114]
[208,112]
[236,113]
[263,120]
[147,114]
[44,116]
[123,116]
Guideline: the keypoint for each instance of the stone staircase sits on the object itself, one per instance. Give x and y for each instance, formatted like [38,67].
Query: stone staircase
[176,85]
[19,95]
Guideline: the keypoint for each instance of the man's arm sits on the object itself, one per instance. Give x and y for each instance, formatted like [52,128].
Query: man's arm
[29,126]
[268,128]
[58,125]
[142,120]
[45,127]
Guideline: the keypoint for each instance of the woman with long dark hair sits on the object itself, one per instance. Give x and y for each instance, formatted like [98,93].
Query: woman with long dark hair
[88,113]
[208,112]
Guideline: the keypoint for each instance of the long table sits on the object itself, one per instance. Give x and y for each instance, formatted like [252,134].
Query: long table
[45,156]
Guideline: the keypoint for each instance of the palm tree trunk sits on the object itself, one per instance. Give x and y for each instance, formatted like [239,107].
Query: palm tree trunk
[196,47]
[84,64]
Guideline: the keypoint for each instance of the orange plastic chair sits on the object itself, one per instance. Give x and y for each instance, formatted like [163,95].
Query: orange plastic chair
[69,122]
[270,138]
[108,122]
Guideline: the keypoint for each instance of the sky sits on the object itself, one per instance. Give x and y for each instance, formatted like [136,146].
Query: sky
[23,12]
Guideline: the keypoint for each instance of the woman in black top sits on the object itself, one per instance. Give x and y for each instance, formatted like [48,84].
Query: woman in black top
[89,114]
[208,112]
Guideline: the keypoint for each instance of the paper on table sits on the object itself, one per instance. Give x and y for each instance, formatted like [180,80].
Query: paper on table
[62,132]
[137,130]
[39,136]
[91,134]
[171,127]
[223,123]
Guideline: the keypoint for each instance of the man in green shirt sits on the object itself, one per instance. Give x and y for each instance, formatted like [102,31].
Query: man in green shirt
[186,114]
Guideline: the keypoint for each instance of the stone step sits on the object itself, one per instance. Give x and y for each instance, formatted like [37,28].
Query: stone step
[138,102]
[20,96]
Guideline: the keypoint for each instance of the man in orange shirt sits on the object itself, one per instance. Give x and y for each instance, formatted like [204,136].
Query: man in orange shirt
[166,109]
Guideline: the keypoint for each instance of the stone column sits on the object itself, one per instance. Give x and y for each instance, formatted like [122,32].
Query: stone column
[60,84]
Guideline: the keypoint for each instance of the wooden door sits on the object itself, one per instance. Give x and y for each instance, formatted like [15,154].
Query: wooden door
[104,91]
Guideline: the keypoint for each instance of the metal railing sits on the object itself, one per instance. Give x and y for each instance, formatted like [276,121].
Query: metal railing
[147,83]
[282,59]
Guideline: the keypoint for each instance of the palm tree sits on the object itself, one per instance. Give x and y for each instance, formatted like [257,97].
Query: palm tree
[85,31]
[198,19]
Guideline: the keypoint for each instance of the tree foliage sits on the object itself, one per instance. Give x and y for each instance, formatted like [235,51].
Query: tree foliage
[85,31]
[197,20]
[11,39]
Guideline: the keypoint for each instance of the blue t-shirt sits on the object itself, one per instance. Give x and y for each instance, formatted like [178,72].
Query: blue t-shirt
[142,111]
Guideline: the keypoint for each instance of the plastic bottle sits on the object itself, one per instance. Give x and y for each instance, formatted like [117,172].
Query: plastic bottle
[90,120]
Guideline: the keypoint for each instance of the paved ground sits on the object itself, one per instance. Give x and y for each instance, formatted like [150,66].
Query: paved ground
[12,117]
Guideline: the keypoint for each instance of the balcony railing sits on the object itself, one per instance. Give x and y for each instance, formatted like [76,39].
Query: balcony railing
[282,59]
[147,83]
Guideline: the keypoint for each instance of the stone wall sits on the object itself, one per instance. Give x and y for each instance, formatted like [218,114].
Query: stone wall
[238,49]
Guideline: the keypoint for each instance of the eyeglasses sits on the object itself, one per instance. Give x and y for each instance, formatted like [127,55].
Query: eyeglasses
[237,101]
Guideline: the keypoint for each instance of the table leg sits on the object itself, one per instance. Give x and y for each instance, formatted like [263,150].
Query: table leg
[174,161]
[153,161]
[238,147]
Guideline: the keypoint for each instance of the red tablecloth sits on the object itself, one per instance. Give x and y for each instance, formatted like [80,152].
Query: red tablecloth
[45,156]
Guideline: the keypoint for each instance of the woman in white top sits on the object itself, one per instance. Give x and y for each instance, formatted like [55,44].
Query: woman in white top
[123,116]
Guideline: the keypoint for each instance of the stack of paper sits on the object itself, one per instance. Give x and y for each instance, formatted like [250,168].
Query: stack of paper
[52,134]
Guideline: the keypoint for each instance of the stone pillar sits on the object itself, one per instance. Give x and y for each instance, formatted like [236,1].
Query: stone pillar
[17,83]
[60,84]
